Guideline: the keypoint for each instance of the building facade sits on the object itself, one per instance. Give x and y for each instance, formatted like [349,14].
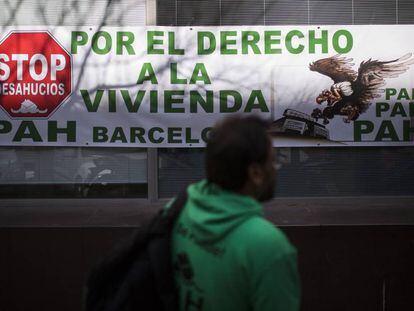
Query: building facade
[349,210]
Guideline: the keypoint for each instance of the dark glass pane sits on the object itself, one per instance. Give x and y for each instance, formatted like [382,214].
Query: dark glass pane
[193,13]
[405,11]
[286,12]
[345,172]
[267,12]
[330,12]
[177,168]
[166,13]
[28,172]
[242,12]
[374,12]
[310,172]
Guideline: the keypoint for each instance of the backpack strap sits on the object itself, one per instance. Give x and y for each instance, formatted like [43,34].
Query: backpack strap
[176,207]
[159,252]
[165,219]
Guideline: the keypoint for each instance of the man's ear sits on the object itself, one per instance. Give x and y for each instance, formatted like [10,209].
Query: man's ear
[255,174]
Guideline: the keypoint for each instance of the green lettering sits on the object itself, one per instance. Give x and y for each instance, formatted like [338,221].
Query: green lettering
[289,38]
[398,109]
[132,107]
[381,107]
[118,135]
[153,101]
[124,40]
[224,102]
[53,130]
[32,132]
[201,49]
[78,38]
[147,74]
[313,41]
[390,92]
[172,50]
[151,135]
[250,39]
[137,132]
[207,104]
[92,107]
[112,100]
[205,133]
[256,101]
[349,41]
[152,41]
[100,134]
[403,94]
[107,42]
[386,131]
[188,138]
[362,127]
[5,127]
[174,76]
[226,41]
[270,41]
[170,100]
[200,74]
[174,134]
[408,130]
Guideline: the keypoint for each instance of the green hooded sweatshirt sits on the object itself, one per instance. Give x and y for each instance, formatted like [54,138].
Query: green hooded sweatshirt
[228,257]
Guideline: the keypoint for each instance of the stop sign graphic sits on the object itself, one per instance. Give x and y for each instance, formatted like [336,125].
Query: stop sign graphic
[35,74]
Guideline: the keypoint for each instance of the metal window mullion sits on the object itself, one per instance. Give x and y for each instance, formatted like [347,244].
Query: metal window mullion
[396,12]
[220,11]
[151,12]
[353,13]
[152,153]
[152,160]
[176,13]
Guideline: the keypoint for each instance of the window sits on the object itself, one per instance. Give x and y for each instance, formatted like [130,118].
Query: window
[66,172]
[309,172]
[44,172]
[178,168]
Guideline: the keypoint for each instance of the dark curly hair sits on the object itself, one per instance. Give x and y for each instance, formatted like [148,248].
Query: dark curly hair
[232,146]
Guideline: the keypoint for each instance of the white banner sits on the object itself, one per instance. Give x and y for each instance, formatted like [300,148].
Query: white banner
[167,86]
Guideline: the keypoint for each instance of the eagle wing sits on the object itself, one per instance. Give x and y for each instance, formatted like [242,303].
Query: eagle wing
[372,75]
[338,68]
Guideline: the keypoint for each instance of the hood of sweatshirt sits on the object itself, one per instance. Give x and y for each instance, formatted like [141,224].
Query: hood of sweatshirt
[212,212]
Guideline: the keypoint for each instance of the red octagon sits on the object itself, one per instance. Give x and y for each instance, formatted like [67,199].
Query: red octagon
[35,74]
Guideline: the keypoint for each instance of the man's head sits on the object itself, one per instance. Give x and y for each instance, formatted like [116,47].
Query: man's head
[239,157]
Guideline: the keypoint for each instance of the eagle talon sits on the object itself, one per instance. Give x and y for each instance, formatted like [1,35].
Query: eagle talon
[323,96]
[351,112]
[316,114]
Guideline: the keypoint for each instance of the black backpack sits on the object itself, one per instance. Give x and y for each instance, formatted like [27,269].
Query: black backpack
[139,275]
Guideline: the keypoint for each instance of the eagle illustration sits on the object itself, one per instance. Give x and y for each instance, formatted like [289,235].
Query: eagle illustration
[352,92]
